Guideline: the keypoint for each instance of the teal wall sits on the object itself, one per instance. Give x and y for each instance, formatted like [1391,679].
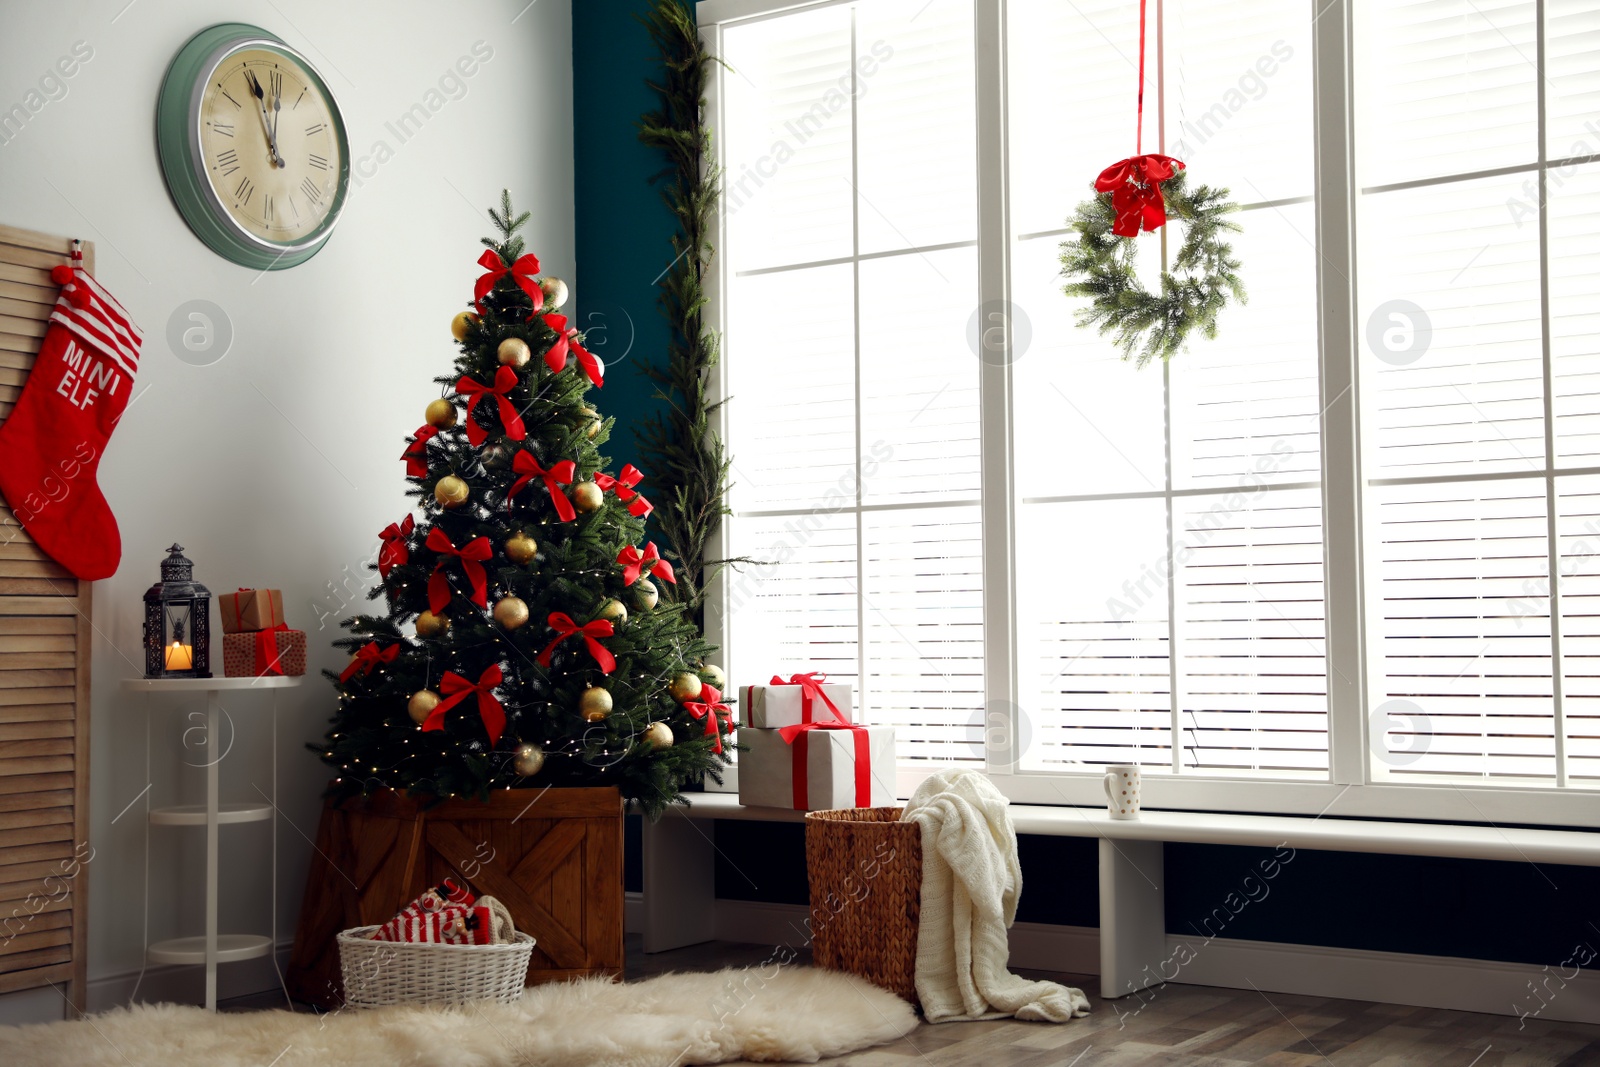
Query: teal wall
[623,229]
[1500,911]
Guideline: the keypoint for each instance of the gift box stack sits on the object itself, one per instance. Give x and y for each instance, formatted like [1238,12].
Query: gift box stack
[803,750]
[255,639]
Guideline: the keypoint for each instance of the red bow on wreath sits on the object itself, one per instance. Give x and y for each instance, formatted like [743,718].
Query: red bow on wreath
[623,483]
[590,632]
[505,379]
[522,272]
[416,452]
[708,708]
[456,689]
[1135,188]
[471,555]
[561,473]
[394,552]
[366,658]
[556,357]
[636,563]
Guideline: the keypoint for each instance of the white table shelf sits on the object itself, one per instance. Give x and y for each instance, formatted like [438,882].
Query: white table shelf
[212,948]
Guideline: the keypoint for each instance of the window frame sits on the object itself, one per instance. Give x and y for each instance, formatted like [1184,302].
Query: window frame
[1352,788]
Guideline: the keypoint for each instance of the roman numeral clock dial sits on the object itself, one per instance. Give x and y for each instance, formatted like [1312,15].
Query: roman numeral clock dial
[253,146]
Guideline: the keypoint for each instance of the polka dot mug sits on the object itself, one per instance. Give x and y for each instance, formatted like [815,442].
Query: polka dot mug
[1122,790]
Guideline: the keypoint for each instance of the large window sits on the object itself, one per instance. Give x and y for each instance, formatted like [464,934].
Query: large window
[1343,558]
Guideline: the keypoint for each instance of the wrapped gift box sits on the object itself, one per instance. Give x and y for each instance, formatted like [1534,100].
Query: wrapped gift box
[251,609]
[240,653]
[829,759]
[769,707]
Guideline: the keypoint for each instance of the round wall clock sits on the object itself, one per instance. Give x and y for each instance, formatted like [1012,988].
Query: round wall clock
[253,147]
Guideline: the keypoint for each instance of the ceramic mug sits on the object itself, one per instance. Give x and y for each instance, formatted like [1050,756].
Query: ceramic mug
[1122,790]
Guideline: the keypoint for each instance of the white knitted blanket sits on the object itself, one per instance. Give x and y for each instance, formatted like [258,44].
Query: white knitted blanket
[970,884]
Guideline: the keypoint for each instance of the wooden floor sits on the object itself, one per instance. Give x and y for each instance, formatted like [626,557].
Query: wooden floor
[1196,1026]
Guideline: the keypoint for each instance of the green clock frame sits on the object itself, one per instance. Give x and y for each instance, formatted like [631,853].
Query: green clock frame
[178,140]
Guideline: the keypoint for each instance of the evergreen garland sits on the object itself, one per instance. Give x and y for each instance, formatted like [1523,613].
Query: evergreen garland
[686,457]
[1204,276]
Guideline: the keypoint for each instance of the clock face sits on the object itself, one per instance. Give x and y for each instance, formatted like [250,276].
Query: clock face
[269,146]
[253,147]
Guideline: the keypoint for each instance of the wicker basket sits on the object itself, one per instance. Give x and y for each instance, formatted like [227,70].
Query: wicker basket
[377,973]
[865,869]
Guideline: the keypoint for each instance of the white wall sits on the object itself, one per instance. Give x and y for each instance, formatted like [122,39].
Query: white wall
[278,464]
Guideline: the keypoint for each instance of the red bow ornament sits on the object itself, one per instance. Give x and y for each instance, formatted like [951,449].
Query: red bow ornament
[708,708]
[623,485]
[559,474]
[556,357]
[522,272]
[366,658]
[416,453]
[591,633]
[394,552]
[471,555]
[456,689]
[505,379]
[1135,188]
[636,563]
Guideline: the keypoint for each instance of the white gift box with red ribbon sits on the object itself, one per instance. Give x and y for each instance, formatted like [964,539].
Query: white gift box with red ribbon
[803,699]
[817,768]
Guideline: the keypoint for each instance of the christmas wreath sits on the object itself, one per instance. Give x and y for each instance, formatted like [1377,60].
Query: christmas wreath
[1099,265]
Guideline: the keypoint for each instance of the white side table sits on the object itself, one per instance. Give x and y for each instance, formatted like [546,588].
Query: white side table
[212,948]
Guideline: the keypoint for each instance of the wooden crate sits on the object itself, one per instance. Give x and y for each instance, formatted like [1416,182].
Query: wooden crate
[553,856]
[45,639]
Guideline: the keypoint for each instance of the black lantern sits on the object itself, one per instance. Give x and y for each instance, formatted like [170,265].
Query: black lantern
[177,622]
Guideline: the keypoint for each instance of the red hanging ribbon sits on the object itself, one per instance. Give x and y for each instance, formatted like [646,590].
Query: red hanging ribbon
[591,632]
[1135,183]
[559,474]
[1135,187]
[471,555]
[368,657]
[708,707]
[268,654]
[394,552]
[810,685]
[636,564]
[798,738]
[556,357]
[623,485]
[522,272]
[505,379]
[416,452]
[456,689]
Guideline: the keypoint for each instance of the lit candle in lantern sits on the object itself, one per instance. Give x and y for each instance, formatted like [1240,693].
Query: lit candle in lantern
[180,657]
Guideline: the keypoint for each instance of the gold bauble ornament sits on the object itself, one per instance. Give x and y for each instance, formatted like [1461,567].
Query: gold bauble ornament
[511,612]
[514,352]
[659,734]
[421,705]
[431,625]
[644,594]
[450,491]
[440,413]
[712,675]
[528,761]
[595,704]
[462,324]
[614,610]
[520,548]
[592,417]
[586,496]
[685,686]
[555,292]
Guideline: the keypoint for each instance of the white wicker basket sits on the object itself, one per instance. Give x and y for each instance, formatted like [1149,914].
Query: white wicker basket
[377,973]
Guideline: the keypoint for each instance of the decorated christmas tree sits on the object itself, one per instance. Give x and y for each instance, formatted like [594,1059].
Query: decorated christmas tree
[526,642]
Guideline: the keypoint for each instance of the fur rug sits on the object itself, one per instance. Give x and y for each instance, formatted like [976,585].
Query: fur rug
[792,1013]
